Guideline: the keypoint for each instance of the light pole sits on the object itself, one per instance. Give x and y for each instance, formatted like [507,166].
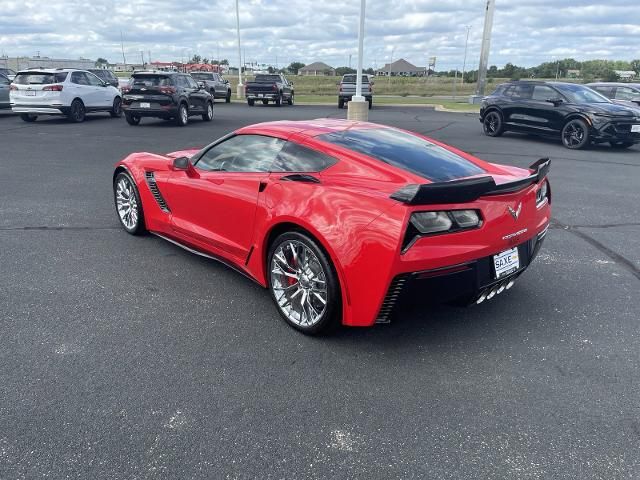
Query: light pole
[484,53]
[464,62]
[240,91]
[389,68]
[357,108]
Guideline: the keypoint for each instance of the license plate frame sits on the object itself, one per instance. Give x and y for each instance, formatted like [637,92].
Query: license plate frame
[507,262]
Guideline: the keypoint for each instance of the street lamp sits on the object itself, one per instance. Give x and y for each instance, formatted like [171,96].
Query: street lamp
[464,62]
[240,91]
[357,108]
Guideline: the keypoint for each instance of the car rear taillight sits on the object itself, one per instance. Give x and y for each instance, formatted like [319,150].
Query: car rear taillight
[52,88]
[12,87]
[170,90]
[125,89]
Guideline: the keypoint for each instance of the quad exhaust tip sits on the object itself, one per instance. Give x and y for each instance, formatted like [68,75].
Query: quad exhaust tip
[496,290]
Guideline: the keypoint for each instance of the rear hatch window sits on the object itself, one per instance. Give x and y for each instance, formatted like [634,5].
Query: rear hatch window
[202,76]
[352,79]
[267,78]
[150,81]
[40,78]
[405,151]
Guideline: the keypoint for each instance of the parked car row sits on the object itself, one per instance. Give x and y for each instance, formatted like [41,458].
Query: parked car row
[578,114]
[74,93]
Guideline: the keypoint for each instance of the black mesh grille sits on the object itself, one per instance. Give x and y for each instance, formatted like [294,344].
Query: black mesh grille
[151,181]
[393,294]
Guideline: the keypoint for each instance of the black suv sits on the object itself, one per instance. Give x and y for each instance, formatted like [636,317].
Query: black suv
[165,95]
[578,114]
[106,76]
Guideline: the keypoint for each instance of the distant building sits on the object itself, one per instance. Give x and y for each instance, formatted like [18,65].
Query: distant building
[401,68]
[317,69]
[626,74]
[22,63]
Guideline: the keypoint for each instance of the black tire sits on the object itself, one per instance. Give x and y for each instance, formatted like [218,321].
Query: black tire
[182,118]
[290,101]
[227,99]
[279,99]
[340,103]
[575,134]
[116,110]
[28,117]
[492,124]
[77,111]
[138,228]
[265,102]
[132,119]
[621,145]
[208,115]
[331,316]
[250,102]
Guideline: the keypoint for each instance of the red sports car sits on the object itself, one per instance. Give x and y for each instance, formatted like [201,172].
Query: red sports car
[342,221]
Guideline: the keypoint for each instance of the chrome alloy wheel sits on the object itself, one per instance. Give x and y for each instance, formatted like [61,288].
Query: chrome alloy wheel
[299,283]
[184,114]
[127,203]
[573,134]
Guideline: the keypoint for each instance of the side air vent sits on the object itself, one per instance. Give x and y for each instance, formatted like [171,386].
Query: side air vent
[393,294]
[151,181]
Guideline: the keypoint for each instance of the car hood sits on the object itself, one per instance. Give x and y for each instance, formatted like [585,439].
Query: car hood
[611,109]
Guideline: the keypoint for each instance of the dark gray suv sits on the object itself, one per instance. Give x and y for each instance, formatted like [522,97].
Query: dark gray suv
[215,84]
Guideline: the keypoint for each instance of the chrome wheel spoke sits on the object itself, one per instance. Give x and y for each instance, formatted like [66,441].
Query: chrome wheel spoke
[126,203]
[298,281]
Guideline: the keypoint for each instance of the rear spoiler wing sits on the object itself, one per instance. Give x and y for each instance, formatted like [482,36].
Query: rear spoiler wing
[468,190]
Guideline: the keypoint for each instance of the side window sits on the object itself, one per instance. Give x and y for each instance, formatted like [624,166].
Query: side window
[242,153]
[606,91]
[191,83]
[93,80]
[626,93]
[181,81]
[4,80]
[542,93]
[522,92]
[296,158]
[79,78]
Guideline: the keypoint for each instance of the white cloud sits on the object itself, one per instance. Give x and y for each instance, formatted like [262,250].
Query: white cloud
[526,32]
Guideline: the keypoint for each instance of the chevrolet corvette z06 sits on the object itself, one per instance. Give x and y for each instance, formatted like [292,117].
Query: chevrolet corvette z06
[342,221]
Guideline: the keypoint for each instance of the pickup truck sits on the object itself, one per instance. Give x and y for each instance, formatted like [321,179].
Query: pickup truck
[347,89]
[269,88]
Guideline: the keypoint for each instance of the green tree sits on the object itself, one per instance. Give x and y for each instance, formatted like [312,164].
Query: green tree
[635,66]
[196,59]
[205,61]
[344,70]
[224,62]
[101,61]
[294,67]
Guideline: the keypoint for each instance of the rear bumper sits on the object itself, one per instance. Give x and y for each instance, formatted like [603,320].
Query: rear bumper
[469,282]
[39,109]
[262,96]
[163,112]
[350,96]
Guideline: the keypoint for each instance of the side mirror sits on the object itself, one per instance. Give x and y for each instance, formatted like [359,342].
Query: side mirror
[182,163]
[555,101]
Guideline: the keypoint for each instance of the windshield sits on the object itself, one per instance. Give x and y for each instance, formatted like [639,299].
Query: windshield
[202,76]
[267,78]
[7,71]
[40,78]
[581,94]
[406,151]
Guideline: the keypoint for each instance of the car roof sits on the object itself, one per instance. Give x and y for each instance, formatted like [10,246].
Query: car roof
[615,84]
[311,128]
[51,70]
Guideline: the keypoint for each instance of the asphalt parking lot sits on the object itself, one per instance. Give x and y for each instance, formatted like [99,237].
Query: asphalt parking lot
[128,358]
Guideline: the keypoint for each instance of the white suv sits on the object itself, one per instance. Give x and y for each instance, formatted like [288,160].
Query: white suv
[62,91]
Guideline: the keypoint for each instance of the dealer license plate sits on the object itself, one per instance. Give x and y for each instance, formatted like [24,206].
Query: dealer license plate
[635,128]
[145,105]
[506,262]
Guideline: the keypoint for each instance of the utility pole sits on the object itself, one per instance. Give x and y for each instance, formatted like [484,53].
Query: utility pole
[142,58]
[124,60]
[389,67]
[149,56]
[484,51]
[357,108]
[240,91]
[349,60]
[558,70]
[464,62]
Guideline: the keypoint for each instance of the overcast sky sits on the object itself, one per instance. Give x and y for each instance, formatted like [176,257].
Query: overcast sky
[526,32]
